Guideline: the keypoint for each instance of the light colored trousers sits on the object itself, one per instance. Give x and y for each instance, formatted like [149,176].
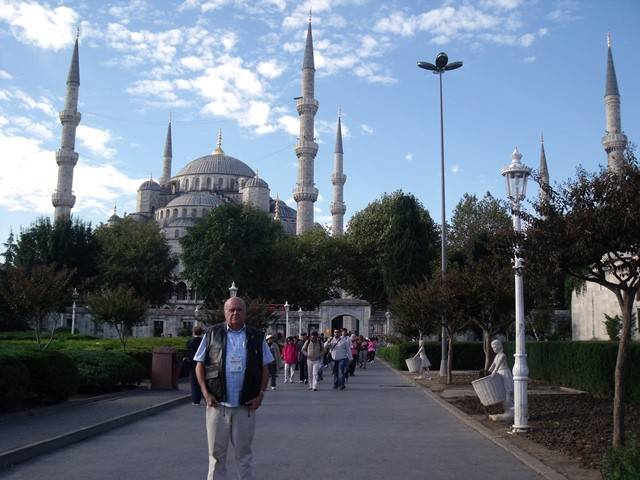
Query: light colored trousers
[313,366]
[289,370]
[235,425]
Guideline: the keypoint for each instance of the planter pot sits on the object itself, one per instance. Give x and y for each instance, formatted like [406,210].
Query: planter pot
[414,364]
[490,390]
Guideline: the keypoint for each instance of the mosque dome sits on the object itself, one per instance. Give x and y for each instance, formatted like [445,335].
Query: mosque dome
[219,164]
[196,199]
[256,182]
[150,185]
[284,210]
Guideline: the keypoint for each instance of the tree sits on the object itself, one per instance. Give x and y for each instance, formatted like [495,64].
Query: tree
[235,242]
[36,294]
[135,255]
[65,244]
[413,307]
[390,243]
[588,229]
[121,308]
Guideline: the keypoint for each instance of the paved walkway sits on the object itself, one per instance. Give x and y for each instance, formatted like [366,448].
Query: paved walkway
[380,427]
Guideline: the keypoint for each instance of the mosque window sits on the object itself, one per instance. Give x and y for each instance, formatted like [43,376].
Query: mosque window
[194,212]
[175,212]
[196,185]
[186,184]
[209,183]
[176,234]
[232,184]
[161,214]
[204,212]
[184,212]
[220,183]
[173,188]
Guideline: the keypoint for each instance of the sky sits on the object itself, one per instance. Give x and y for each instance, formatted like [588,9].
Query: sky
[530,67]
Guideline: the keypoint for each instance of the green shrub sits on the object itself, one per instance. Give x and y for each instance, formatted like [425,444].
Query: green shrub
[53,375]
[588,366]
[621,463]
[14,381]
[102,372]
[466,355]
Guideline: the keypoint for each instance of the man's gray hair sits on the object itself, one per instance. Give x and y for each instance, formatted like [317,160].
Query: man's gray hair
[242,302]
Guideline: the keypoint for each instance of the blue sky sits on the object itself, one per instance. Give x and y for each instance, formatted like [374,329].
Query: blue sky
[530,66]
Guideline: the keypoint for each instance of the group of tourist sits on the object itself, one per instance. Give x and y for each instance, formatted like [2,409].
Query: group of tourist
[311,354]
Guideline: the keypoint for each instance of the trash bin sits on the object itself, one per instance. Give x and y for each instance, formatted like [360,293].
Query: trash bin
[164,369]
[414,364]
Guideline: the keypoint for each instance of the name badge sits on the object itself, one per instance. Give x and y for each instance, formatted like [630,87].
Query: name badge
[235,365]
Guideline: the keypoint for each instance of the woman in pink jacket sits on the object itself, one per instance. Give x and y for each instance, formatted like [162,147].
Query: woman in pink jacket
[290,357]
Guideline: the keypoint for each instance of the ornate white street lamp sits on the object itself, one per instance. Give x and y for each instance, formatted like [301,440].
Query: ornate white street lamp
[442,65]
[233,290]
[286,319]
[300,322]
[75,295]
[516,176]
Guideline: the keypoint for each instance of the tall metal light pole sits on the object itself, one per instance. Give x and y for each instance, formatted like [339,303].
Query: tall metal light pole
[516,175]
[439,68]
[75,295]
[300,322]
[286,317]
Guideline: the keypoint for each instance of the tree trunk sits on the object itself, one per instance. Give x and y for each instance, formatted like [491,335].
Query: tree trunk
[450,360]
[486,347]
[626,305]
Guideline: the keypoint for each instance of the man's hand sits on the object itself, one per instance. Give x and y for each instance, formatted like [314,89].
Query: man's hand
[210,400]
[256,402]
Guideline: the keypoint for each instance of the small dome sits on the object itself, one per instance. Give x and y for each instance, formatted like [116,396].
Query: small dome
[285,210]
[218,163]
[256,182]
[195,199]
[150,185]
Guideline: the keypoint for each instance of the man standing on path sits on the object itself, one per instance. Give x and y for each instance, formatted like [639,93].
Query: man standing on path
[302,360]
[340,351]
[233,375]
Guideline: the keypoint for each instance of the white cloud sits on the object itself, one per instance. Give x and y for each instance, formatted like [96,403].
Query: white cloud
[31,127]
[270,69]
[5,75]
[39,25]
[192,63]
[130,10]
[409,157]
[455,169]
[529,59]
[96,140]
[289,124]
[317,210]
[143,46]
[366,129]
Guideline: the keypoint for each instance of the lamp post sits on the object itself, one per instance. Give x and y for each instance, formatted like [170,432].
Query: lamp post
[75,295]
[300,322]
[387,315]
[233,290]
[516,175]
[442,65]
[286,319]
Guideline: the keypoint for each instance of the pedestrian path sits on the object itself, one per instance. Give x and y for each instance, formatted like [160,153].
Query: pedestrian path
[381,427]
[33,432]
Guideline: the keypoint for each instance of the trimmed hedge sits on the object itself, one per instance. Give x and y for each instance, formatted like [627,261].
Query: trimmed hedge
[102,372]
[14,381]
[588,366]
[466,355]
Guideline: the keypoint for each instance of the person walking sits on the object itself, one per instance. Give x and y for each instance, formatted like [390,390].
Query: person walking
[233,376]
[276,365]
[302,360]
[371,351]
[362,352]
[290,357]
[192,347]
[355,348]
[313,351]
[340,351]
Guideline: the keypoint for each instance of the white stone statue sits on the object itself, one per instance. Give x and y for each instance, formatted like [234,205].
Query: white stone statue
[501,367]
[424,361]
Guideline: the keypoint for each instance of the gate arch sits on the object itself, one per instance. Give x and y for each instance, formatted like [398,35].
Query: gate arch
[358,310]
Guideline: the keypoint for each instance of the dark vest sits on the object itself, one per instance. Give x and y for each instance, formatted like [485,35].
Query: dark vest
[215,363]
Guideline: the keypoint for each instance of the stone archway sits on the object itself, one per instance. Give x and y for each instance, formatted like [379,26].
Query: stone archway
[359,312]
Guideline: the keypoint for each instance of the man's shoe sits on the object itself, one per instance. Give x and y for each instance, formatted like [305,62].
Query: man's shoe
[342,387]
[273,388]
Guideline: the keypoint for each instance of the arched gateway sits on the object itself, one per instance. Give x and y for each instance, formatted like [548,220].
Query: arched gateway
[350,313]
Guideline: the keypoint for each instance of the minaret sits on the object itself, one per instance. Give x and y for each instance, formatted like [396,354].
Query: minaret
[338,179]
[63,198]
[167,157]
[543,171]
[614,141]
[305,193]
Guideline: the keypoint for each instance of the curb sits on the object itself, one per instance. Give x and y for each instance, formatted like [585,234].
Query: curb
[530,461]
[21,454]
